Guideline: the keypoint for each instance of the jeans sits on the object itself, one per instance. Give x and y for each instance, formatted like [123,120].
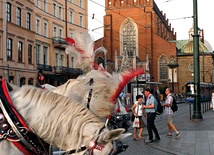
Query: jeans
[151,126]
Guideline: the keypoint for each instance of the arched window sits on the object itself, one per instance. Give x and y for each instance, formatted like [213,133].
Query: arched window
[163,69]
[129,37]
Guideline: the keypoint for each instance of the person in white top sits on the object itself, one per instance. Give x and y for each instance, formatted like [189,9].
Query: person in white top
[138,112]
[213,99]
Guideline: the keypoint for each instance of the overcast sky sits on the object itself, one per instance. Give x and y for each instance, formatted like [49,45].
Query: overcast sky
[179,13]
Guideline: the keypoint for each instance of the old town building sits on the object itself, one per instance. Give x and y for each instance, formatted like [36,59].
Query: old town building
[185,60]
[31,39]
[138,35]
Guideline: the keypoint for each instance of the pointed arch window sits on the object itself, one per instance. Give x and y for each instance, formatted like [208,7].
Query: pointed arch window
[163,69]
[129,38]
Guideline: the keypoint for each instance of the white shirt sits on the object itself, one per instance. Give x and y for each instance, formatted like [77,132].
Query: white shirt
[139,108]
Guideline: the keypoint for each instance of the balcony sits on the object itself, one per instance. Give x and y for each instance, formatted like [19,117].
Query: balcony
[67,70]
[59,42]
[44,67]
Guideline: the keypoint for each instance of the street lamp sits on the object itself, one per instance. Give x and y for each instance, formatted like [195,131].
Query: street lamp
[172,65]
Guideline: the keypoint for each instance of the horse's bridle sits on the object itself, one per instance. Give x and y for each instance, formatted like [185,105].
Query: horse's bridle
[90,93]
[93,145]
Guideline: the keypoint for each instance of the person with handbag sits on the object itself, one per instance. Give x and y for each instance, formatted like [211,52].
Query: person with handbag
[138,112]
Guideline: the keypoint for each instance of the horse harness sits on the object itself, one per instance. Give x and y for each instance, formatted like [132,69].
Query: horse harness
[90,93]
[92,145]
[14,129]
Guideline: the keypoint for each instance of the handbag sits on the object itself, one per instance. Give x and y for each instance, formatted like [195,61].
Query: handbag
[133,116]
[136,123]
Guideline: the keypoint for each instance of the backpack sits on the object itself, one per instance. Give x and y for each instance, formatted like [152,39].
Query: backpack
[159,109]
[174,106]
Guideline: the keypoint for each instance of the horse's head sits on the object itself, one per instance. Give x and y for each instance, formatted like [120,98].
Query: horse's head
[103,90]
[103,141]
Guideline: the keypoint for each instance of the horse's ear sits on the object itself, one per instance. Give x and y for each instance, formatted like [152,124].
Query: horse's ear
[113,134]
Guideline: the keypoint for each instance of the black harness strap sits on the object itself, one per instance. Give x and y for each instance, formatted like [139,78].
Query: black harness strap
[90,93]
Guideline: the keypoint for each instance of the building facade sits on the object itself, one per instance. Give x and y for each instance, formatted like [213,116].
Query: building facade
[138,35]
[32,36]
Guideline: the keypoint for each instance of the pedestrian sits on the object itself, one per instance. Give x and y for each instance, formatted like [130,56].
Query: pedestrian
[213,99]
[169,114]
[138,112]
[150,106]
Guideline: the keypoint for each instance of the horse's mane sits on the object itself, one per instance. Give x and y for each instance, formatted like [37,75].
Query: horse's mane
[53,116]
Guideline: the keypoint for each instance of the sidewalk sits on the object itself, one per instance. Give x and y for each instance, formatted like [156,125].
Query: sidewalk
[197,137]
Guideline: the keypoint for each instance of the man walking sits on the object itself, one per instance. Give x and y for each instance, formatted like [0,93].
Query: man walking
[150,107]
[169,114]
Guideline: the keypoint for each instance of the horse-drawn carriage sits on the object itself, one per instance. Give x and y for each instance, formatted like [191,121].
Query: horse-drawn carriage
[68,117]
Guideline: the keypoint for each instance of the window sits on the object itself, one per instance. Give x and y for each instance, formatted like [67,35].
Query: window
[60,33]
[72,62]
[30,54]
[37,26]
[56,59]
[45,5]
[54,32]
[18,16]
[81,21]
[81,3]
[8,12]
[9,49]
[71,34]
[45,29]
[71,16]
[28,21]
[37,53]
[45,55]
[163,69]
[37,3]
[20,49]
[62,60]
[129,38]
[54,9]
[60,12]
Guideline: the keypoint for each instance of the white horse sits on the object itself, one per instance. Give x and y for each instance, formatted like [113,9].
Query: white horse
[60,121]
[97,90]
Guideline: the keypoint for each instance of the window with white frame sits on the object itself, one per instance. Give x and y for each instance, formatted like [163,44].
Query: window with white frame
[71,33]
[71,16]
[54,31]
[45,55]
[163,69]
[18,16]
[45,29]
[62,60]
[81,3]
[60,33]
[56,59]
[28,21]
[81,21]
[60,12]
[37,3]
[38,48]
[37,26]
[54,9]
[45,5]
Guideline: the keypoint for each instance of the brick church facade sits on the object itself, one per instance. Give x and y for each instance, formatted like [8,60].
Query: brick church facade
[138,35]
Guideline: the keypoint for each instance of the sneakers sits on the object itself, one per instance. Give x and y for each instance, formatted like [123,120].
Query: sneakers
[156,139]
[177,135]
[169,135]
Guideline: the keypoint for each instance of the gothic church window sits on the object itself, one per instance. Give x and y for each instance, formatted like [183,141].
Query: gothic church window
[129,38]
[163,70]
